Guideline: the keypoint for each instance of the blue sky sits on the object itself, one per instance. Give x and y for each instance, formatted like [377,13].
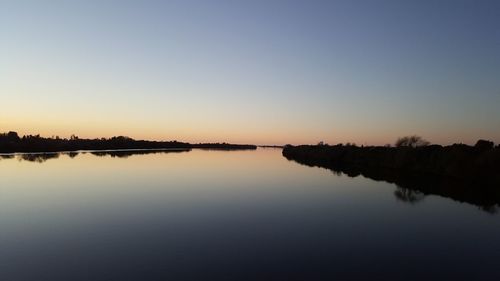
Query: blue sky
[252,71]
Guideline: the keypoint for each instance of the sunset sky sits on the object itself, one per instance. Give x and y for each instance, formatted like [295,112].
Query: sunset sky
[263,72]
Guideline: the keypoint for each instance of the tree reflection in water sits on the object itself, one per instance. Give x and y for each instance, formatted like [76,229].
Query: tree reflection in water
[408,195]
[413,188]
[42,157]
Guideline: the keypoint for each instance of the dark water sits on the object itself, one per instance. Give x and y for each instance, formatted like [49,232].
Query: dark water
[218,215]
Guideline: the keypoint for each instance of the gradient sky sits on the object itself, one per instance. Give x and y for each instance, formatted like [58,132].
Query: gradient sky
[265,72]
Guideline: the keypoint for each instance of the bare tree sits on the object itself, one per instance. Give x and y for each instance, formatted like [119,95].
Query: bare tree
[411,141]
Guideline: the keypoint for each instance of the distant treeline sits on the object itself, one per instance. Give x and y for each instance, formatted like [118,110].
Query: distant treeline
[463,172]
[223,146]
[11,142]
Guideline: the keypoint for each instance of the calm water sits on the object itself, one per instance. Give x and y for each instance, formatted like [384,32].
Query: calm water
[218,215]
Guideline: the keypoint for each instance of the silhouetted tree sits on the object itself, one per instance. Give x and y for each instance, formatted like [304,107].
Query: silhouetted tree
[484,145]
[411,141]
[13,136]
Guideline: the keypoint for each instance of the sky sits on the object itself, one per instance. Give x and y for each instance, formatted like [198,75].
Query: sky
[262,72]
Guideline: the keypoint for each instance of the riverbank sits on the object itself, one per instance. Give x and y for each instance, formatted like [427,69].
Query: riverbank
[465,173]
[12,143]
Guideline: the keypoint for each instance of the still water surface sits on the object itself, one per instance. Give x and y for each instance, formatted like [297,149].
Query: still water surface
[229,215]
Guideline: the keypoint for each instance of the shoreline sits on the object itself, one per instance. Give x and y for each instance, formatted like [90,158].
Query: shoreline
[464,173]
[11,142]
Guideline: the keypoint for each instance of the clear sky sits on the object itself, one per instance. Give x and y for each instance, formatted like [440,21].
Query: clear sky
[265,72]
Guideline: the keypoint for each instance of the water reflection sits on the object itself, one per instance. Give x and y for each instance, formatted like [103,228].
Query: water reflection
[408,195]
[413,188]
[128,153]
[73,154]
[7,156]
[42,157]
[410,189]
[239,215]
[39,157]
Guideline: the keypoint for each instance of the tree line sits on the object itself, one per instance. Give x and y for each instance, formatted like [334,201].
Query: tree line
[11,142]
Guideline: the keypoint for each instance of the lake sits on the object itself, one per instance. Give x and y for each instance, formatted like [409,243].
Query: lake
[228,215]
